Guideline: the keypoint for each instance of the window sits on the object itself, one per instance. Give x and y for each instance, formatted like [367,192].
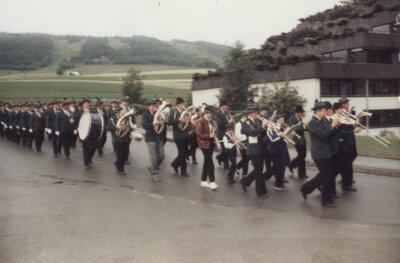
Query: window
[384,118]
[342,87]
[337,56]
[383,29]
[379,56]
[383,88]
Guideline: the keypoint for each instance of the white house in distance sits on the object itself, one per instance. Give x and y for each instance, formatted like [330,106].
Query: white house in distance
[364,67]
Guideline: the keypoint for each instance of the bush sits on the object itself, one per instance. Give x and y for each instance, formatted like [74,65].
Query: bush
[342,21]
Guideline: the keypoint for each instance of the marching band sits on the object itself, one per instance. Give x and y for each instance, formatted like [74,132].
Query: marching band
[257,136]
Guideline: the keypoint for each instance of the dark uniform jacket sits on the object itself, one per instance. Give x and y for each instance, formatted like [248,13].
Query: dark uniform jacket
[24,120]
[320,134]
[51,120]
[300,131]
[254,132]
[173,120]
[147,124]
[38,122]
[222,119]
[63,123]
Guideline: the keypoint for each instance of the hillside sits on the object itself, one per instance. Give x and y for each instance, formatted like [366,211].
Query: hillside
[34,51]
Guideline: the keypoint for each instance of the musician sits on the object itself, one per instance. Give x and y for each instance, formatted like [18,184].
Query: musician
[180,137]
[153,140]
[254,131]
[14,124]
[131,119]
[352,147]
[320,133]
[2,117]
[38,126]
[243,164]
[206,135]
[25,117]
[222,118]
[193,145]
[73,108]
[65,127]
[299,161]
[102,111]
[230,143]
[121,139]
[88,145]
[112,109]
[267,160]
[277,150]
[163,133]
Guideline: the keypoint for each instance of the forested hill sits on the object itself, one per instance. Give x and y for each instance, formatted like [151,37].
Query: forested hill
[33,51]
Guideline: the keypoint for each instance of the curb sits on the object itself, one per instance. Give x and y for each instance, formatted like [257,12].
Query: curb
[357,169]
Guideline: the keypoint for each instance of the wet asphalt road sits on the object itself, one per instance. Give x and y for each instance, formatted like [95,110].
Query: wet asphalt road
[53,210]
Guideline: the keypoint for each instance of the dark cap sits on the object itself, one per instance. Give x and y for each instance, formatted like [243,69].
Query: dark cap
[318,105]
[150,101]
[229,126]
[223,103]
[328,105]
[114,101]
[84,100]
[207,108]
[179,100]
[336,105]
[99,102]
[251,108]
[265,107]
[343,100]
[125,98]
[299,109]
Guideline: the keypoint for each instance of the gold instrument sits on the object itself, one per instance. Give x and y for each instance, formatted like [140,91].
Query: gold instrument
[353,119]
[186,117]
[272,125]
[161,116]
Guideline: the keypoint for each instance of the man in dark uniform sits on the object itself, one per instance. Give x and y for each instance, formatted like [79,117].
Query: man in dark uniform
[131,119]
[180,137]
[112,109]
[65,128]
[267,159]
[120,139]
[24,124]
[321,132]
[299,161]
[102,111]
[352,147]
[38,125]
[153,140]
[14,123]
[51,128]
[222,118]
[254,132]
[2,116]
[88,146]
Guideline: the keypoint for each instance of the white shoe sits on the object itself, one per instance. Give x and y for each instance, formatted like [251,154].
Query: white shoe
[213,186]
[204,184]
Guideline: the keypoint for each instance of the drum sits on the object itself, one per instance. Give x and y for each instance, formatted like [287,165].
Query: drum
[91,127]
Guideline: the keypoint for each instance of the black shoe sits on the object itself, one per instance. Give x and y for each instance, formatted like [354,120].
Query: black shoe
[263,195]
[285,180]
[290,169]
[331,205]
[303,194]
[185,175]
[127,162]
[175,169]
[350,189]
[219,161]
[244,187]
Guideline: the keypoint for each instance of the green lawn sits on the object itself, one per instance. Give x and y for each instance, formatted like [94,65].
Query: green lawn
[17,91]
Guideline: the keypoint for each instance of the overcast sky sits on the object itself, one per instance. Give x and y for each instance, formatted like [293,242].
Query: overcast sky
[219,21]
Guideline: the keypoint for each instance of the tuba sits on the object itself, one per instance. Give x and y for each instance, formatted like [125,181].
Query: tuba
[124,119]
[186,116]
[160,116]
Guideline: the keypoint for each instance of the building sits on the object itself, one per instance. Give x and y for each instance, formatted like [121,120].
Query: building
[364,67]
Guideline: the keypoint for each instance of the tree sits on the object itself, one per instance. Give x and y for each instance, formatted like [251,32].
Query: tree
[237,75]
[282,97]
[132,86]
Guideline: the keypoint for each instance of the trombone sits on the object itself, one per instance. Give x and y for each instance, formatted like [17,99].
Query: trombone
[353,120]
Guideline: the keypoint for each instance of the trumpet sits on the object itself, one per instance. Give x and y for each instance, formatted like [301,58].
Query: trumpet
[272,125]
[291,129]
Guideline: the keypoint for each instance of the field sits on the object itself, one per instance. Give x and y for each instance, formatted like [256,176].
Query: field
[104,81]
